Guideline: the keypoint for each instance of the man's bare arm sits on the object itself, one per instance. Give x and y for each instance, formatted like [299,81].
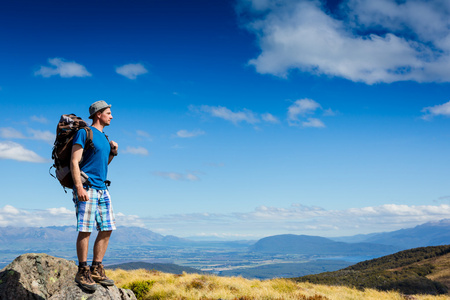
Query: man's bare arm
[77,154]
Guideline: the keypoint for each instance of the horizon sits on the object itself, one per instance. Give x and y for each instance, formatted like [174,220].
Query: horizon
[216,238]
[237,118]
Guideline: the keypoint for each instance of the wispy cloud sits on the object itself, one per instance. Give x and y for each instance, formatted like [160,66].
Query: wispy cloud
[14,151]
[40,119]
[11,216]
[301,111]
[136,150]
[189,176]
[62,68]
[313,122]
[267,117]
[10,133]
[262,221]
[33,134]
[302,107]
[131,71]
[46,136]
[300,219]
[370,41]
[60,216]
[142,135]
[189,134]
[235,117]
[437,110]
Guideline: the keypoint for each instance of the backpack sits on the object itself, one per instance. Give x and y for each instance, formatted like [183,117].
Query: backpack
[66,129]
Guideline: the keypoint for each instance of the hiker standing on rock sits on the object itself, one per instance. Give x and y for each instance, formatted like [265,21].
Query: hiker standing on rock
[92,199]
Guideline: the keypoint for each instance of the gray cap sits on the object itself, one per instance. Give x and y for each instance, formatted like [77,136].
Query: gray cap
[97,106]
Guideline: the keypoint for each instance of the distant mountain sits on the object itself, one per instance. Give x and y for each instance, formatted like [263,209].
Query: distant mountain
[315,245]
[166,268]
[62,236]
[415,271]
[36,236]
[428,234]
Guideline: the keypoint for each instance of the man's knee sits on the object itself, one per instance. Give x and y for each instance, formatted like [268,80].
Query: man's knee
[83,235]
[104,234]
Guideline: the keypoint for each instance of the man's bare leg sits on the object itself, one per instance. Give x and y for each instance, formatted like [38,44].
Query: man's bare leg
[97,270]
[83,277]
[83,246]
[101,244]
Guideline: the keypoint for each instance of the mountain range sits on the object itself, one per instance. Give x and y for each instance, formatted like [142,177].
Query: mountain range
[428,234]
[66,235]
[313,245]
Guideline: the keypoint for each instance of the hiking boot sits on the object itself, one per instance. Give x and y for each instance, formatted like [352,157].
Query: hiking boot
[99,276]
[84,279]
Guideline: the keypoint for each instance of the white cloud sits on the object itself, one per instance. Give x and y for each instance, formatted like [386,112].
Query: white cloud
[262,221]
[129,220]
[371,41]
[63,68]
[46,136]
[60,216]
[136,150]
[14,151]
[437,110]
[189,134]
[10,133]
[313,122]
[40,119]
[226,114]
[142,133]
[177,176]
[235,117]
[131,71]
[300,219]
[303,108]
[267,117]
[11,216]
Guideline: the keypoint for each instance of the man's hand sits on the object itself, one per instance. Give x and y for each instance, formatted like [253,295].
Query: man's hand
[114,148]
[82,194]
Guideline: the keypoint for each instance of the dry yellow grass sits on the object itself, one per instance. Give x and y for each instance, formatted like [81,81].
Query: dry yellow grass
[196,286]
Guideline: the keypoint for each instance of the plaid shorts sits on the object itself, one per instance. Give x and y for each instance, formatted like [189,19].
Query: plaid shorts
[97,210]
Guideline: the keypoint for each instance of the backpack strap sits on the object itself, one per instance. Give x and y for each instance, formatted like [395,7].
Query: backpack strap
[89,137]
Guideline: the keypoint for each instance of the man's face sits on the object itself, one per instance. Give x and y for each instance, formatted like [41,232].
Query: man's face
[105,117]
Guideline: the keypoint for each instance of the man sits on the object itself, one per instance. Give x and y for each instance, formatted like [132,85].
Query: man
[92,200]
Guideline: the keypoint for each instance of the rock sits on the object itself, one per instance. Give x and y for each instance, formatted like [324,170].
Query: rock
[41,276]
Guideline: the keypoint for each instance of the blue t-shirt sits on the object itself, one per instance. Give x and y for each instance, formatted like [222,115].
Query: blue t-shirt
[95,160]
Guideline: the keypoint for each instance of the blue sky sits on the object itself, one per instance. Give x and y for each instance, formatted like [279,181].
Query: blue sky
[234,119]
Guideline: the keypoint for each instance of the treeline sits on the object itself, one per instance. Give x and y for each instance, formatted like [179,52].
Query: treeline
[402,271]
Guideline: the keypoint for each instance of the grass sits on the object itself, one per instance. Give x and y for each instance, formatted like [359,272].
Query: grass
[154,285]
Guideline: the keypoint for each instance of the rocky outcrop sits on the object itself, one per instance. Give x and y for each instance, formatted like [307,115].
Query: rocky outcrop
[41,276]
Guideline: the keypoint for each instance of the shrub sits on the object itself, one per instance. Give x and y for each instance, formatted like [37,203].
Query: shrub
[140,288]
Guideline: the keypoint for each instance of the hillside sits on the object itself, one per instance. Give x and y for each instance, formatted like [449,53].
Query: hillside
[420,270]
[287,270]
[304,244]
[150,285]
